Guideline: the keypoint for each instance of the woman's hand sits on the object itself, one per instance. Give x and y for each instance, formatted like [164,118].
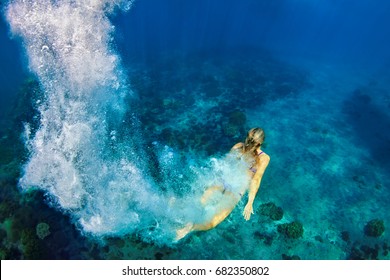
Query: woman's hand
[248,210]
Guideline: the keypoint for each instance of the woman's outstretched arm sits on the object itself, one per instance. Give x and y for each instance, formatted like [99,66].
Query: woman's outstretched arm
[255,185]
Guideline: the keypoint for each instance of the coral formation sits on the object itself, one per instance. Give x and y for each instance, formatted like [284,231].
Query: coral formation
[271,210]
[266,238]
[32,247]
[293,257]
[11,253]
[23,218]
[374,228]
[7,207]
[292,230]
[365,252]
[42,230]
[3,235]
[238,118]
[235,124]
[345,236]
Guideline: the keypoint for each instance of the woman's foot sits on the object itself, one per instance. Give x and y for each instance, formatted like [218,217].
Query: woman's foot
[181,233]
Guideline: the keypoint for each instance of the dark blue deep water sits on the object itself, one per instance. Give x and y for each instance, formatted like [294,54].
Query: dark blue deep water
[116,115]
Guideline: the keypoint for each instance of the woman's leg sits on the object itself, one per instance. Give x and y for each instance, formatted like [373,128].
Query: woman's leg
[216,220]
[208,192]
[212,223]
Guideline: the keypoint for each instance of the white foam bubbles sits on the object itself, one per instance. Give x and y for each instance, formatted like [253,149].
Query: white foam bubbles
[68,44]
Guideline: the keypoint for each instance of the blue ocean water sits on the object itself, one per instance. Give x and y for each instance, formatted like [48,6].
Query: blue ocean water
[116,115]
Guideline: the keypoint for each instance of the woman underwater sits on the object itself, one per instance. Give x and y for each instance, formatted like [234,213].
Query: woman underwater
[250,151]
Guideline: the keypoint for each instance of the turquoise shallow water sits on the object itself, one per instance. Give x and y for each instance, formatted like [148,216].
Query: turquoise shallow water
[93,152]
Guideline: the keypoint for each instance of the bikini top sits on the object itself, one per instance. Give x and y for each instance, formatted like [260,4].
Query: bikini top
[253,169]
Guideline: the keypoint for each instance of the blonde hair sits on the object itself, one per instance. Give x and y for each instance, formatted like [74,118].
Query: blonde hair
[254,140]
